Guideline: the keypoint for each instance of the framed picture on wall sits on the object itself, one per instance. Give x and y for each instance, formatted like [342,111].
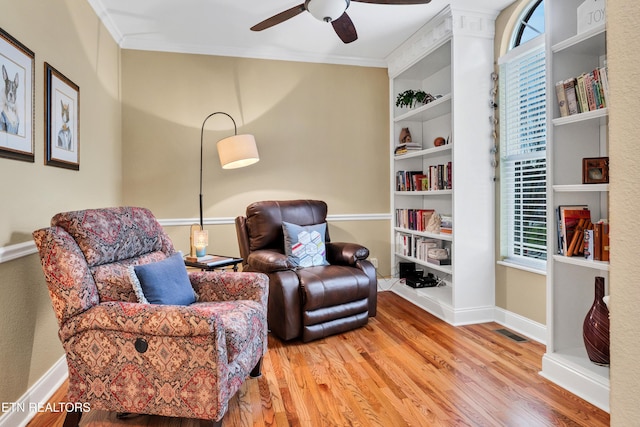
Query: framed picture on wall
[62,115]
[16,99]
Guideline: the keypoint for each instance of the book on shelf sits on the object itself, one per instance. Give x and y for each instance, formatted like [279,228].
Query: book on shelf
[581,93]
[434,178]
[586,92]
[405,180]
[605,241]
[588,244]
[568,218]
[562,99]
[570,94]
[413,219]
[415,246]
[404,148]
[601,240]
[577,241]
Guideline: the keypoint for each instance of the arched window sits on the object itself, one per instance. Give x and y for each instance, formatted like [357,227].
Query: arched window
[523,140]
[530,25]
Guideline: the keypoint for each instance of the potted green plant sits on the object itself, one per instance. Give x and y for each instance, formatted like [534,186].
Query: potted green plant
[410,97]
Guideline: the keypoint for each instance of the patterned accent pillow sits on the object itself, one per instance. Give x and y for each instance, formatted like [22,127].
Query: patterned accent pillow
[163,282]
[305,245]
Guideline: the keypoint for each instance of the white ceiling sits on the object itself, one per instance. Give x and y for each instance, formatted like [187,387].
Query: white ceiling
[221,27]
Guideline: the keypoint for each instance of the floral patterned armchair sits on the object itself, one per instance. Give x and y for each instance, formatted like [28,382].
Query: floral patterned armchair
[129,357]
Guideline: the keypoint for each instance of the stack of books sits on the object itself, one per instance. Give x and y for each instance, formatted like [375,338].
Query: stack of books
[413,219]
[579,236]
[572,221]
[405,147]
[587,92]
[596,241]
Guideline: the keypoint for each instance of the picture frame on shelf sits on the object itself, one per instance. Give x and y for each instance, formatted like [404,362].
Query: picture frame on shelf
[17,111]
[595,170]
[62,115]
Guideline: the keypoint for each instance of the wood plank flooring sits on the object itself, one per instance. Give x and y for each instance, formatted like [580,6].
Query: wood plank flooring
[405,368]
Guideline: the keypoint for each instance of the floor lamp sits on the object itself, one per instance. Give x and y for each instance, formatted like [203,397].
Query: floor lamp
[235,152]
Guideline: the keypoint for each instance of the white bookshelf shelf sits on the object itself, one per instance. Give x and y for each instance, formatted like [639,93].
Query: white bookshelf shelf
[588,42]
[570,139]
[425,193]
[580,188]
[601,113]
[441,268]
[433,109]
[439,236]
[425,152]
[576,260]
[426,62]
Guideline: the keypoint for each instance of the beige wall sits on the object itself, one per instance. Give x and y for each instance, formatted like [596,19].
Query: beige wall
[68,35]
[322,132]
[623,38]
[517,291]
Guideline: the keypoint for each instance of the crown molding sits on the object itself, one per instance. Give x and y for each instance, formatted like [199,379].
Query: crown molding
[269,54]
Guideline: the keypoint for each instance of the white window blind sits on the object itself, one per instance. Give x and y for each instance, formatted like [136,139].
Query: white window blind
[523,140]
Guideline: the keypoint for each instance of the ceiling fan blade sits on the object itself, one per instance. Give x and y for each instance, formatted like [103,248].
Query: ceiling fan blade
[394,1]
[345,29]
[280,17]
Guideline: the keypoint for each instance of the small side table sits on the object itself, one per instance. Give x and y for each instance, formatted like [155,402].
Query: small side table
[220,263]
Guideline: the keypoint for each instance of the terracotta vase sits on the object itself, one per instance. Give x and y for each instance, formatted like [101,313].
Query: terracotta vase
[595,329]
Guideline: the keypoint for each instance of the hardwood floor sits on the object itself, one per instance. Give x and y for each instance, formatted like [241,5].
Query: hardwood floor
[405,368]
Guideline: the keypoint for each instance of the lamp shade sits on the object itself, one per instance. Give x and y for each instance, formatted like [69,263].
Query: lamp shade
[237,151]
[327,10]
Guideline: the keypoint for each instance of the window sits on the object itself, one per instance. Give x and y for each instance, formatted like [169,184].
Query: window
[530,25]
[523,168]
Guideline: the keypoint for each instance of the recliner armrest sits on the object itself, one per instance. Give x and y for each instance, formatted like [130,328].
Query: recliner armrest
[228,286]
[136,318]
[267,261]
[346,253]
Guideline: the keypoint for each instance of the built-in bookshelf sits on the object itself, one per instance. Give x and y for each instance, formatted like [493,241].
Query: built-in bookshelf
[570,279]
[447,171]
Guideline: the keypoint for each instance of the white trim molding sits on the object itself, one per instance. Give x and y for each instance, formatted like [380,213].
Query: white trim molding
[19,250]
[182,222]
[26,407]
[520,324]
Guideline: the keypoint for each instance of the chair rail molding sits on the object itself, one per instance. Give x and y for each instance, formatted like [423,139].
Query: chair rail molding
[18,250]
[177,222]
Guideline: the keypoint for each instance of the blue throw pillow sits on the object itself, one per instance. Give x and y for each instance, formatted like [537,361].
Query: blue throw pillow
[163,282]
[304,245]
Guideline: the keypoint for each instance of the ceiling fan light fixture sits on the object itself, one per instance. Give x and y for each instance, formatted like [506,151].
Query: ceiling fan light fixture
[327,10]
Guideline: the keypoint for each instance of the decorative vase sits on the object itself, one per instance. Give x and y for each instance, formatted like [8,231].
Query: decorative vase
[595,329]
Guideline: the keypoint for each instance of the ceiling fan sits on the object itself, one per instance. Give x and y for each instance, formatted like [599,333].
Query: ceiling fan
[333,11]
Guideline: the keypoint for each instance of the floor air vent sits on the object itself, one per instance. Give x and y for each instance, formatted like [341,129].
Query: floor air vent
[507,333]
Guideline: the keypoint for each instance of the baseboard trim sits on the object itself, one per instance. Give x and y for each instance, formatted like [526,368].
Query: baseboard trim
[527,327]
[517,323]
[25,408]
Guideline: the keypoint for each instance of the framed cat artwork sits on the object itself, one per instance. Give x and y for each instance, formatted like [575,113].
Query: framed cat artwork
[62,115]
[17,77]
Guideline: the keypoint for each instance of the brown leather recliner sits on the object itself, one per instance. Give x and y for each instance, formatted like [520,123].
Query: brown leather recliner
[310,302]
